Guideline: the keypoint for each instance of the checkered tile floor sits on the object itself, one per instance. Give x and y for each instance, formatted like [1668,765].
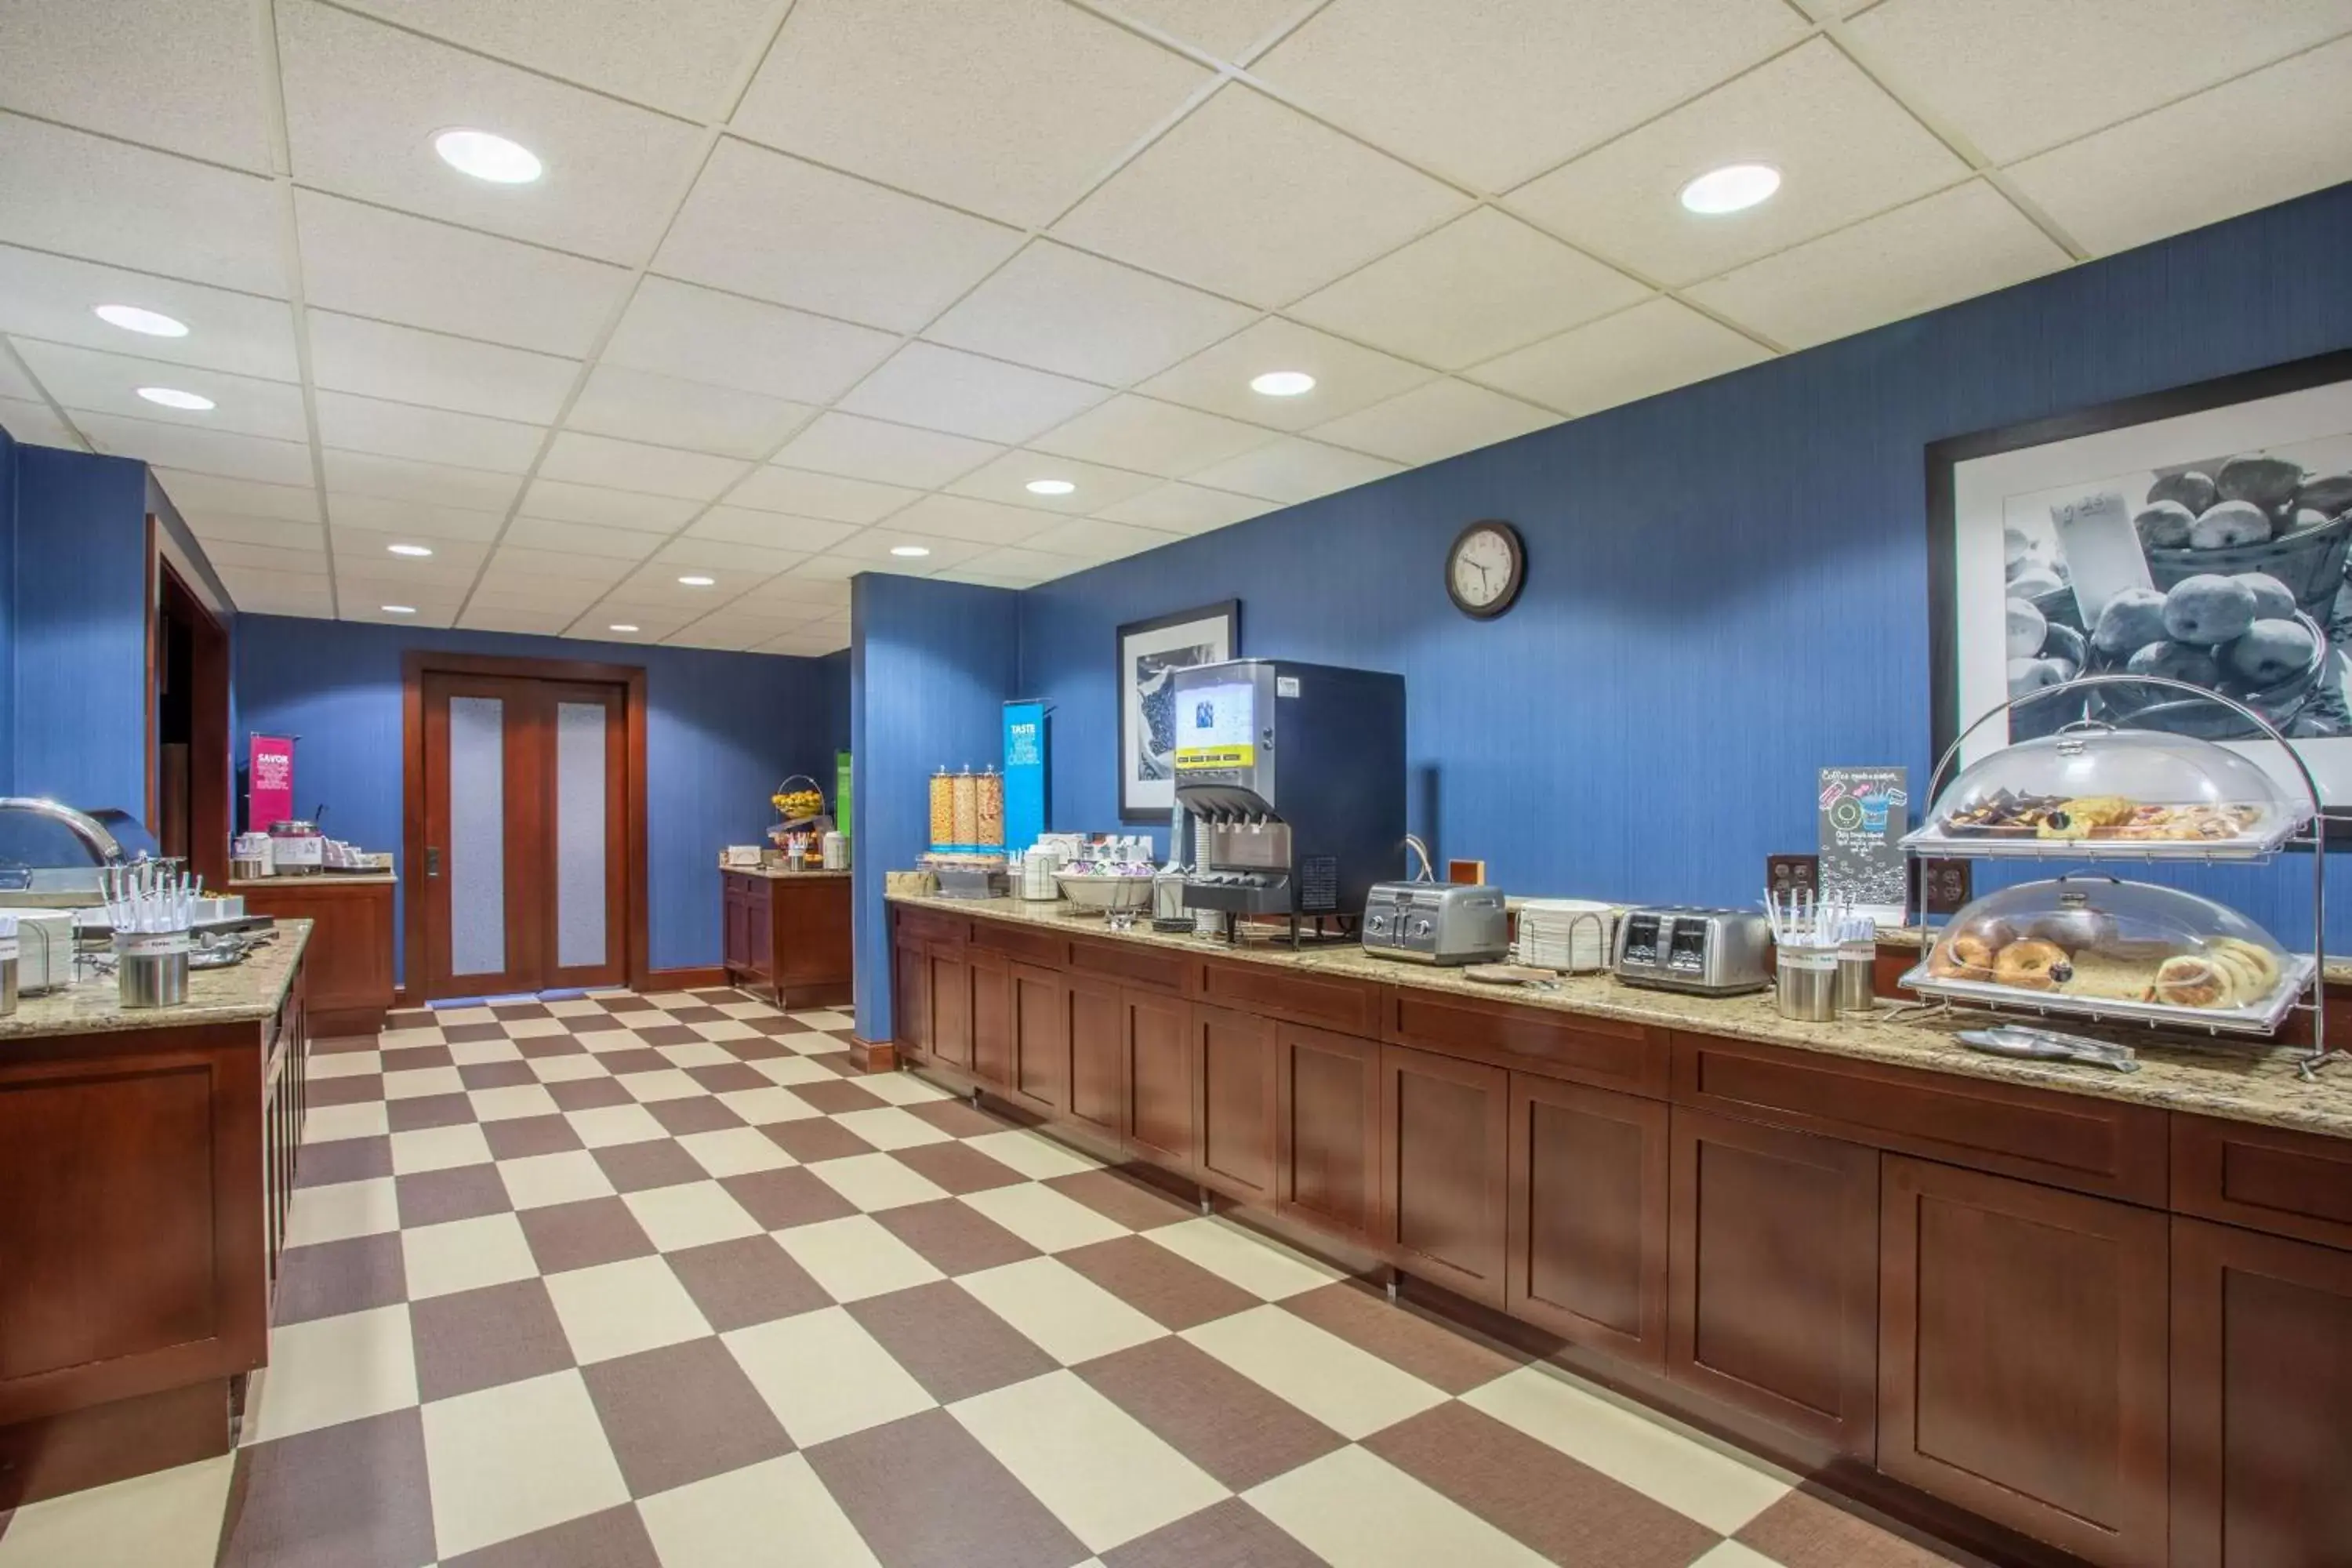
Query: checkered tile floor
[656,1282]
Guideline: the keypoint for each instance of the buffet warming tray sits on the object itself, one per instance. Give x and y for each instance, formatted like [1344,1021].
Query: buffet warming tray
[2264,1018]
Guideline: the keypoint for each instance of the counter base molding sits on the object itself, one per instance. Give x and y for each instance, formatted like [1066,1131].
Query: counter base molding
[2049,1319]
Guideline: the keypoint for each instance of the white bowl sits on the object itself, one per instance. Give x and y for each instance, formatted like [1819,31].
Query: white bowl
[1105,893]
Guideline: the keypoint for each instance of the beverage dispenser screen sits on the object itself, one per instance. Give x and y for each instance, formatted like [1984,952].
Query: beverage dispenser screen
[1216,726]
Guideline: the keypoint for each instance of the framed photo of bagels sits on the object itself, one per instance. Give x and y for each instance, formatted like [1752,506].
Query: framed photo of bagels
[2198,534]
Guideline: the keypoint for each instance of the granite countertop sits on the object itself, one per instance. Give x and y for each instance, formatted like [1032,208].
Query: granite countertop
[248,993]
[778,874]
[2242,1082]
[319,879]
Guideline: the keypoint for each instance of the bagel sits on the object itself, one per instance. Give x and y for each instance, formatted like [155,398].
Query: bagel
[2193,980]
[2032,965]
[2265,963]
[1967,956]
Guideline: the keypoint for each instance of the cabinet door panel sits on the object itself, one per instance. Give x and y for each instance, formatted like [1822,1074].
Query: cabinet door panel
[1328,1134]
[1098,1034]
[1235,1079]
[911,997]
[1159,1124]
[949,984]
[1444,1134]
[759,931]
[1587,1232]
[991,1018]
[1040,1038]
[734,951]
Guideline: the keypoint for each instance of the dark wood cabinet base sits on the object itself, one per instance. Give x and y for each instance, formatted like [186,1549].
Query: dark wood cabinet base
[113,1442]
[787,937]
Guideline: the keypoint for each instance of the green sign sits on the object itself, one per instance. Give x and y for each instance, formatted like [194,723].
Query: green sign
[841,793]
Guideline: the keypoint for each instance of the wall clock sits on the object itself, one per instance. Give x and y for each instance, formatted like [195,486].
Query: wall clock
[1485,568]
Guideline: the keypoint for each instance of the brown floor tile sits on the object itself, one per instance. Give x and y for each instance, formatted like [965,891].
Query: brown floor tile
[811,1140]
[722,998]
[957,1119]
[428,1111]
[479,1338]
[954,1238]
[629,1003]
[967,1512]
[465,1034]
[1434,1352]
[681,1413]
[1214,1417]
[347,1494]
[616,1538]
[1565,1510]
[954,1346]
[778,1024]
[593,1023]
[955,1168]
[757,1049]
[665,1034]
[339,1044]
[495,1075]
[781,1199]
[1135,1202]
[1171,1291]
[729,1077]
[701,1015]
[748,1280]
[344,1159]
[834,1099]
[408,1018]
[506,1010]
[465,1192]
[523,1136]
[338,1276]
[656,1162]
[409,1059]
[840,1064]
[1802,1531]
[534,1046]
[588,1093]
[644,1059]
[679,1117]
[584,1234]
[357,1090]
[1232,1534]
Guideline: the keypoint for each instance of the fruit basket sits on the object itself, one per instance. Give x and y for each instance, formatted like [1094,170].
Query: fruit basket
[801,805]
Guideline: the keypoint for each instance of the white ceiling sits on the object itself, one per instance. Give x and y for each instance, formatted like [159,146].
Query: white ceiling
[808,279]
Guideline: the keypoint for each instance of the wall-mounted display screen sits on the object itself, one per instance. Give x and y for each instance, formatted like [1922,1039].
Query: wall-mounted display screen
[1216,726]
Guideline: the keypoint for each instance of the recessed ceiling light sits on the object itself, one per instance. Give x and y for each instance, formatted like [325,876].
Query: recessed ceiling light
[1282,382]
[1050,486]
[698,581]
[909,550]
[132,319]
[490,157]
[620,626]
[399,609]
[410,549]
[172,397]
[1732,188]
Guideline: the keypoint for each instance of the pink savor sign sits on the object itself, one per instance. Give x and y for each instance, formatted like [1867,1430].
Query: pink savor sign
[269,793]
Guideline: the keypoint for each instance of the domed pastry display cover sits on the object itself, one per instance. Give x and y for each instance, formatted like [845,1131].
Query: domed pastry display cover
[2093,946]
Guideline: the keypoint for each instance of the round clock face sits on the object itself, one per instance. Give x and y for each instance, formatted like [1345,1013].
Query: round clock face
[1484,569]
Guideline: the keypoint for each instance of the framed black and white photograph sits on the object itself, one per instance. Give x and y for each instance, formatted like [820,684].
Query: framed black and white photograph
[2199,533]
[1150,653]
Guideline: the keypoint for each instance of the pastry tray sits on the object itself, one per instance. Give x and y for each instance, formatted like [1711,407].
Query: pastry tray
[2262,1019]
[2258,846]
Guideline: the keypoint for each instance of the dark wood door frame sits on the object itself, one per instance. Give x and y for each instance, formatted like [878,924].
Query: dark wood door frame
[208,743]
[414,665]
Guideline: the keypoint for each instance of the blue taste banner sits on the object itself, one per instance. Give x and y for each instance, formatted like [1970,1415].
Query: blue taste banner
[1024,773]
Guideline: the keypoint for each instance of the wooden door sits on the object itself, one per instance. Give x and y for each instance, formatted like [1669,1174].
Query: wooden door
[1328,1130]
[992,1016]
[1772,1274]
[1588,1217]
[1445,1135]
[1040,1038]
[1097,1033]
[910,996]
[946,985]
[2262,1400]
[1159,1123]
[1236,1100]
[2021,1349]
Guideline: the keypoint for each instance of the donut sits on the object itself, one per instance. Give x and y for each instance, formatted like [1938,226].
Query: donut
[1964,957]
[2192,980]
[2032,965]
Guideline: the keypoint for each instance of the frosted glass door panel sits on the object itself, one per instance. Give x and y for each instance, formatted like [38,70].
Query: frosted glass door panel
[580,838]
[477,836]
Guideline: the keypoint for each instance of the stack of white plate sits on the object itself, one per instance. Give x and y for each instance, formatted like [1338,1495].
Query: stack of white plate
[1573,934]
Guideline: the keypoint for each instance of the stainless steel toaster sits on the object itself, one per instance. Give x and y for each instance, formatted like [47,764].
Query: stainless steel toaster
[1711,953]
[1436,922]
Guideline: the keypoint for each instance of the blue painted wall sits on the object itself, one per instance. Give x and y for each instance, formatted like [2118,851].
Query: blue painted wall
[720,730]
[8,449]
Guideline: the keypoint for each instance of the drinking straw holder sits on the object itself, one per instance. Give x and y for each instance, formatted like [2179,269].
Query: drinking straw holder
[152,906]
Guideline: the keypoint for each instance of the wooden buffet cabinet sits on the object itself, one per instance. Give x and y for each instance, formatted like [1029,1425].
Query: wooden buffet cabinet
[2050,1326]
[787,933]
[348,968]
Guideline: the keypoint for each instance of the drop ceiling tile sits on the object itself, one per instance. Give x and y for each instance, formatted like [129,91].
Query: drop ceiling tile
[690,553]
[53,297]
[85,195]
[364,102]
[876,450]
[964,394]
[1019,568]
[2015,77]
[1146,436]
[87,379]
[519,570]
[386,514]
[1093,541]
[585,460]
[776,228]
[370,425]
[659,582]
[232,457]
[482,617]
[1292,469]
[366,552]
[1952,245]
[1228,29]
[1492,93]
[718,638]
[1844,149]
[1007,479]
[14,383]
[1187,508]
[378,360]
[873,548]
[825,496]
[767,530]
[829,571]
[279,593]
[725,339]
[195,492]
[685,414]
[947,98]
[1435,421]
[563,502]
[963,518]
[1062,309]
[550,533]
[1483,285]
[428,615]
[1347,376]
[813,644]
[188,79]
[1635,353]
[227,527]
[652,626]
[2221,153]
[1256,202]
[370,261]
[230,554]
[36,424]
[425,484]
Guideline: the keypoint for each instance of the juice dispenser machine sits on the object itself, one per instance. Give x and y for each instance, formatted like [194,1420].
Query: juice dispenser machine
[1294,776]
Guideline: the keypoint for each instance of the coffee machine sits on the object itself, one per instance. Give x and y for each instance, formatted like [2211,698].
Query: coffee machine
[1294,777]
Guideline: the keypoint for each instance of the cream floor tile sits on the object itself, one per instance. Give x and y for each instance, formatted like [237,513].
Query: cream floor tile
[667,1083]
[331,1370]
[824,1376]
[445,1016]
[464,1255]
[168,1519]
[854,1258]
[689,1215]
[346,1064]
[1103,1473]
[604,1042]
[877,1182]
[1065,1314]
[437,1149]
[474,1053]
[725,1029]
[333,1123]
[1259,1265]
[773,1515]
[901,1089]
[619,1309]
[667,1000]
[823,1018]
[1033,1155]
[402,1039]
[1045,1217]
[342,1211]
[539,1180]
[747,1009]
[766,1107]
[518,1457]
[513,1103]
[1350,1391]
[701,1054]
[735,1150]
[889,1127]
[1688,1474]
[565,1069]
[415,1083]
[1726,1554]
[602,1126]
[575,1007]
[815,1045]
[534,1028]
[1355,1510]
[786,1071]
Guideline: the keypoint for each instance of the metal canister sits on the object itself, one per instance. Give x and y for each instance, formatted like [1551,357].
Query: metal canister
[836,850]
[1808,984]
[297,848]
[8,969]
[1857,973]
[150,968]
